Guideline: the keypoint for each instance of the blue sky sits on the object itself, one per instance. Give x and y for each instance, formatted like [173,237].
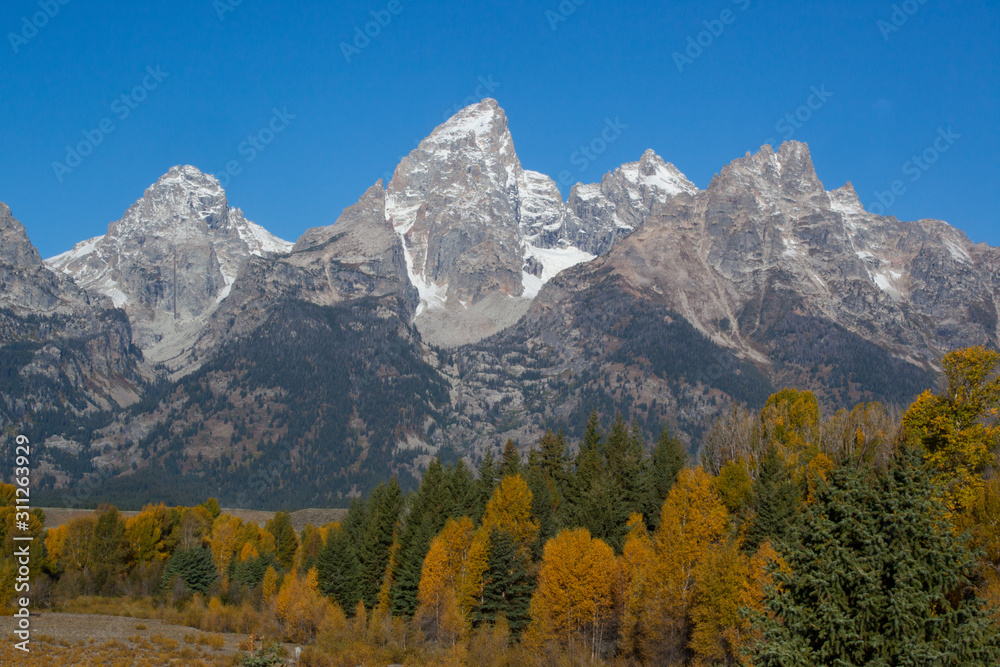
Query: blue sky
[200,76]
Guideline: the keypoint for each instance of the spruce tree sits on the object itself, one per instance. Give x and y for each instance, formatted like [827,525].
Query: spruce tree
[462,490]
[430,507]
[875,575]
[626,463]
[194,566]
[511,461]
[384,508]
[338,564]
[544,501]
[588,469]
[775,502]
[507,584]
[482,487]
[668,459]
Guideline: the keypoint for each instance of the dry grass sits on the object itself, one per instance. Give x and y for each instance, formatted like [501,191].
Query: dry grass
[144,654]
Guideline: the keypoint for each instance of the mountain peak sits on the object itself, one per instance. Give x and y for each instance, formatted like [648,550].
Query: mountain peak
[790,169]
[482,120]
[15,248]
[187,178]
[654,172]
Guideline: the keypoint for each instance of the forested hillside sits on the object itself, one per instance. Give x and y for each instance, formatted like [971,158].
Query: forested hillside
[796,538]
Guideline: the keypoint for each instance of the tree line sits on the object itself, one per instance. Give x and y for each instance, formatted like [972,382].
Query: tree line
[866,537]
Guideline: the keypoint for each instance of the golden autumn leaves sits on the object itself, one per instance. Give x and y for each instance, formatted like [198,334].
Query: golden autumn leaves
[688,579]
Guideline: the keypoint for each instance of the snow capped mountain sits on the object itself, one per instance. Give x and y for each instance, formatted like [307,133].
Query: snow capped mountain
[170,260]
[481,234]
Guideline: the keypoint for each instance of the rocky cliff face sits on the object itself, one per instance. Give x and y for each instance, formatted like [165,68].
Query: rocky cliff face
[170,260]
[465,302]
[65,354]
[481,234]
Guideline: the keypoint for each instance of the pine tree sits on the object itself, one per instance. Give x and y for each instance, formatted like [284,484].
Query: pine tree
[507,584]
[430,507]
[338,569]
[668,459]
[775,502]
[588,471]
[194,566]
[875,575]
[462,489]
[482,487]
[511,461]
[384,508]
[286,541]
[626,464]
[544,501]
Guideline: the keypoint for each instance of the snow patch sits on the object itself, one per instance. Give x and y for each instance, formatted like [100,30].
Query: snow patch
[957,252]
[885,280]
[62,261]
[553,261]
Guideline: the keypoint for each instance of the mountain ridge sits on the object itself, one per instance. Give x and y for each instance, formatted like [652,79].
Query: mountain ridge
[465,302]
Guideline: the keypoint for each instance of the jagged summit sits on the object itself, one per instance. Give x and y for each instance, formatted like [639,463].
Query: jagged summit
[15,248]
[171,258]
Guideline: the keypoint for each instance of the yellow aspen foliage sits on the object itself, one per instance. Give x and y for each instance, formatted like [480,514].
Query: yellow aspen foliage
[575,595]
[509,510]
[247,552]
[635,564]
[299,606]
[269,585]
[791,421]
[224,539]
[360,619]
[384,604]
[55,543]
[78,545]
[958,428]
[734,484]
[444,569]
[816,470]
[692,521]
[143,534]
[717,630]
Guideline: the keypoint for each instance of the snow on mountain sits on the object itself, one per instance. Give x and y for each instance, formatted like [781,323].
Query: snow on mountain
[170,260]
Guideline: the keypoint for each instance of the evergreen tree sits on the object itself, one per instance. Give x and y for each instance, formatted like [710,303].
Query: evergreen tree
[511,460]
[250,572]
[286,540]
[384,508]
[108,548]
[605,515]
[482,487]
[462,489]
[588,470]
[775,502]
[507,584]
[194,566]
[554,460]
[338,569]
[668,459]
[875,575]
[429,508]
[627,466]
[545,500]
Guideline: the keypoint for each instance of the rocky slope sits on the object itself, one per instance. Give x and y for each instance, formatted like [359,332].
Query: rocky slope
[481,234]
[170,260]
[464,302]
[66,356]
